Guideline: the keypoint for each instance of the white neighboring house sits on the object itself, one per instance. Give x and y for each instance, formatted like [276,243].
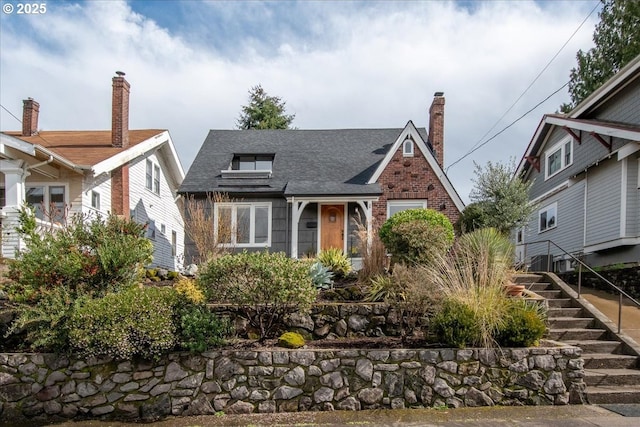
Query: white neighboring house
[132,173]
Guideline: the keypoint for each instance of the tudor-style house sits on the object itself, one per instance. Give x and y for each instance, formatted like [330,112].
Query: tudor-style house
[584,168]
[133,173]
[297,190]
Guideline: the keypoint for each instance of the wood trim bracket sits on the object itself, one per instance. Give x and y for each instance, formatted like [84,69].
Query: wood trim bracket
[577,137]
[535,161]
[601,140]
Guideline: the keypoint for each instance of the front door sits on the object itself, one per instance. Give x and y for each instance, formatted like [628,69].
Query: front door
[332,226]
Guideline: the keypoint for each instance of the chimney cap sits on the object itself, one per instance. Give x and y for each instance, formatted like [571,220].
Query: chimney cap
[438,94]
[120,73]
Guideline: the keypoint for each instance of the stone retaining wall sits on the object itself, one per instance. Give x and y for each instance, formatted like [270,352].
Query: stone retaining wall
[50,387]
[627,279]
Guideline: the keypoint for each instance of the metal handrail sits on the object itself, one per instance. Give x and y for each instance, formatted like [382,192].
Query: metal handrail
[581,264]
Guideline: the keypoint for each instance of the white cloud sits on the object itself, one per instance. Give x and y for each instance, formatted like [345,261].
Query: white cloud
[336,65]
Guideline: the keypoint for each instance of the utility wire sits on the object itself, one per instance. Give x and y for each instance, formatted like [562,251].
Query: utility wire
[476,145]
[12,115]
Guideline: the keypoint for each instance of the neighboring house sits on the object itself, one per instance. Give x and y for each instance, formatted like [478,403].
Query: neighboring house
[297,190]
[133,173]
[584,172]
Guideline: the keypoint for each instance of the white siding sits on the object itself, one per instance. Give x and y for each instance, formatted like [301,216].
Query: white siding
[603,202]
[102,185]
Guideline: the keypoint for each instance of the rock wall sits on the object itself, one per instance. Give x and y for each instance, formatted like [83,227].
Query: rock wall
[51,387]
[627,279]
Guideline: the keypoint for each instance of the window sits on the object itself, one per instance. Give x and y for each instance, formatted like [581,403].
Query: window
[548,217]
[151,229]
[394,206]
[95,200]
[252,162]
[152,179]
[163,229]
[558,157]
[520,235]
[3,200]
[174,243]
[407,148]
[35,198]
[56,203]
[243,224]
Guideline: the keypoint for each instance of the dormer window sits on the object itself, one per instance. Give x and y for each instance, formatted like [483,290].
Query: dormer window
[250,166]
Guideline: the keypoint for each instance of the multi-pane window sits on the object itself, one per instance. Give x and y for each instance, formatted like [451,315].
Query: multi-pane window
[395,206]
[149,176]
[49,202]
[152,177]
[558,157]
[243,224]
[548,217]
[252,162]
[56,203]
[156,179]
[95,200]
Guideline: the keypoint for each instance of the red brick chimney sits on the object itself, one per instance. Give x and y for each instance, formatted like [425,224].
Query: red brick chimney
[30,111]
[120,112]
[436,126]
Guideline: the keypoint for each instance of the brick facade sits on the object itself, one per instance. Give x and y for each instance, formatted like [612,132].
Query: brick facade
[408,178]
[120,191]
[120,112]
[30,112]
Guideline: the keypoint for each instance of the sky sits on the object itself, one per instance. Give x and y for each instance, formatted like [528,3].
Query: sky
[336,64]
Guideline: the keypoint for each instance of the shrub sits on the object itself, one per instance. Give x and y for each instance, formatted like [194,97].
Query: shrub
[456,325]
[200,329]
[417,235]
[384,288]
[86,256]
[372,252]
[291,340]
[524,324]
[265,286]
[335,260]
[189,290]
[320,276]
[134,322]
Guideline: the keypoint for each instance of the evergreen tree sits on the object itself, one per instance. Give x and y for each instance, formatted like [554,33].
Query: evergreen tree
[264,112]
[617,42]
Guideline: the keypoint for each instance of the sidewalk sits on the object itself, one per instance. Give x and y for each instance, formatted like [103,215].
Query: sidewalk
[497,416]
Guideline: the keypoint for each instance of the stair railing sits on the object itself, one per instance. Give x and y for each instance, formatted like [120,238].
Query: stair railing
[581,264]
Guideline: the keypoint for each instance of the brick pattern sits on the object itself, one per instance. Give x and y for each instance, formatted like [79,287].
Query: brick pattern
[408,178]
[120,113]
[120,191]
[30,112]
[436,127]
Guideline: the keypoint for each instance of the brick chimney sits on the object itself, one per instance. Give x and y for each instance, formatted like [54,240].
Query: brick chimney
[120,111]
[436,126]
[30,111]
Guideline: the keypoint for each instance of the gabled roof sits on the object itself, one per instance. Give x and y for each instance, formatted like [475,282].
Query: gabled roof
[306,162]
[578,118]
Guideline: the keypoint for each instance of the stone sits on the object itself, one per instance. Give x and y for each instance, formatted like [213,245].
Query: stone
[370,395]
[295,376]
[240,407]
[134,397]
[130,386]
[210,387]
[314,371]
[199,406]
[240,393]
[137,376]
[410,396]
[229,385]
[257,395]
[6,378]
[441,387]
[113,396]
[299,320]
[520,366]
[349,404]
[220,401]
[358,323]
[86,389]
[102,410]
[475,397]
[464,355]
[268,407]
[28,369]
[449,366]
[190,270]
[386,367]
[52,407]
[410,365]
[179,405]
[451,379]
[322,331]
[329,365]
[533,380]
[364,369]
[488,356]
[56,376]
[304,358]
[341,328]
[174,372]
[155,410]
[151,384]
[280,357]
[454,402]
[546,362]
[48,393]
[192,381]
[333,380]
[262,371]
[69,411]
[323,394]
[304,404]
[377,379]
[394,384]
[397,403]
[428,374]
[285,393]
[73,397]
[69,387]
[554,384]
[327,406]
[379,355]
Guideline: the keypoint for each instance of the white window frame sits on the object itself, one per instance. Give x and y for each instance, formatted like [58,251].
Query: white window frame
[553,207]
[47,195]
[417,204]
[149,175]
[95,196]
[560,146]
[407,143]
[156,178]
[252,223]
[152,177]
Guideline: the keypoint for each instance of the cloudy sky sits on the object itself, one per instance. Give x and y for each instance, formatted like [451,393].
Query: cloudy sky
[337,64]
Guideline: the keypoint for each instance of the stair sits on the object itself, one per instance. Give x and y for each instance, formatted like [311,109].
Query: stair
[610,375]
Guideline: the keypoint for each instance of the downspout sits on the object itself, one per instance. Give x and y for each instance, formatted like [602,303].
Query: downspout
[37,165]
[287,240]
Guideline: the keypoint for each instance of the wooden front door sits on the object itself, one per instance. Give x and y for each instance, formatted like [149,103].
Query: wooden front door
[332,226]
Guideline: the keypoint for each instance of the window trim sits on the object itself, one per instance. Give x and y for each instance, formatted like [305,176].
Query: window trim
[152,177]
[397,202]
[47,195]
[408,143]
[234,223]
[559,146]
[95,193]
[552,206]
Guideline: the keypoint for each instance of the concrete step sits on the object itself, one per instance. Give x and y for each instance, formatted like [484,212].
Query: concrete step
[613,394]
[564,312]
[595,346]
[550,293]
[540,286]
[521,278]
[570,322]
[609,361]
[576,334]
[560,302]
[611,377]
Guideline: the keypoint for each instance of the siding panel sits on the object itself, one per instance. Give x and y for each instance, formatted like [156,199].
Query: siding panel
[603,202]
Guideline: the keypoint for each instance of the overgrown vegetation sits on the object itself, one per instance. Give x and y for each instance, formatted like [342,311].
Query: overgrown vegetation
[335,260]
[210,239]
[371,249]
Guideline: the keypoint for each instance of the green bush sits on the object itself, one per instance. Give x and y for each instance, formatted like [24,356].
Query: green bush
[320,275]
[456,325]
[335,260]
[291,340]
[524,324]
[87,256]
[266,287]
[384,288]
[130,323]
[200,329]
[416,236]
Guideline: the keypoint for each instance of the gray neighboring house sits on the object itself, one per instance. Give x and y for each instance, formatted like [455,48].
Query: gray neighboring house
[584,167]
[296,191]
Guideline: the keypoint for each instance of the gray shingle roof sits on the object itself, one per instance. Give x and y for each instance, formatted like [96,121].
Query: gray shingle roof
[306,162]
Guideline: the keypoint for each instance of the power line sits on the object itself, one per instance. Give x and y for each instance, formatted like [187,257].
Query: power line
[476,145]
[508,126]
[12,115]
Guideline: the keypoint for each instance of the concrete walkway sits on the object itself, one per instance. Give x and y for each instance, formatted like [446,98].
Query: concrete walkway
[498,416]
